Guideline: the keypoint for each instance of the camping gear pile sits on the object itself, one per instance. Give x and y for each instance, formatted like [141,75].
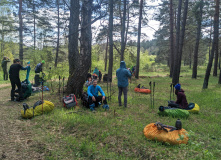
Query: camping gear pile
[142,89]
[69,101]
[37,109]
[164,133]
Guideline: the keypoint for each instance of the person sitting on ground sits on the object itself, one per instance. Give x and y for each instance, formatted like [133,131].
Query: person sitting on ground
[94,98]
[122,76]
[15,80]
[181,101]
[88,82]
[38,69]
[4,67]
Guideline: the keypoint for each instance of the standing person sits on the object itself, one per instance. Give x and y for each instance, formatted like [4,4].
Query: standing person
[100,75]
[181,101]
[96,71]
[38,69]
[4,67]
[94,98]
[14,78]
[122,75]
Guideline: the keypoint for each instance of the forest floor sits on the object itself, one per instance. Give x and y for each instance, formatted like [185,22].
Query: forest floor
[114,134]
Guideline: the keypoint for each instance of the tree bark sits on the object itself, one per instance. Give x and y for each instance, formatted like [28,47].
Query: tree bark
[199,21]
[73,51]
[110,68]
[105,68]
[123,31]
[138,41]
[20,32]
[171,59]
[215,41]
[58,37]
[77,80]
[176,55]
[34,25]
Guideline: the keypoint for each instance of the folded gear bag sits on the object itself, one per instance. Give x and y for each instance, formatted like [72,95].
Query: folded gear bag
[163,133]
[70,101]
[29,112]
[193,108]
[142,89]
[173,112]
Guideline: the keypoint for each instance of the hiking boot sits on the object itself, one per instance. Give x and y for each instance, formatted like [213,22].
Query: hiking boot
[106,107]
[92,107]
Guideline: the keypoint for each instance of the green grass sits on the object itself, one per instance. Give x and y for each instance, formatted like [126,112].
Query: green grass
[105,135]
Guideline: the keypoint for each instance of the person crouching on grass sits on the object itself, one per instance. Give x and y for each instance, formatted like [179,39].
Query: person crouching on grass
[181,101]
[94,98]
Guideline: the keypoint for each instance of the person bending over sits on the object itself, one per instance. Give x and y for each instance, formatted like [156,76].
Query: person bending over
[94,98]
[14,78]
[181,101]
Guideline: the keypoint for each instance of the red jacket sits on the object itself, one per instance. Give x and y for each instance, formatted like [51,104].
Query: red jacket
[181,99]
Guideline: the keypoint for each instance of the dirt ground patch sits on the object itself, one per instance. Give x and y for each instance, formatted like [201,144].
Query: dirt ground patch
[15,133]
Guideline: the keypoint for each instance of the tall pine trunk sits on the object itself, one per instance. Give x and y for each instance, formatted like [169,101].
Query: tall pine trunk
[138,41]
[73,51]
[105,67]
[123,31]
[176,55]
[171,59]
[77,79]
[199,21]
[110,32]
[214,45]
[58,37]
[20,32]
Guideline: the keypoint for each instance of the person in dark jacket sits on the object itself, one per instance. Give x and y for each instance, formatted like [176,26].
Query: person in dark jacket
[181,101]
[94,98]
[14,78]
[38,69]
[122,75]
[4,67]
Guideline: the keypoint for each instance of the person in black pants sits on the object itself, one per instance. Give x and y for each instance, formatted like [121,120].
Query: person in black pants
[38,69]
[14,78]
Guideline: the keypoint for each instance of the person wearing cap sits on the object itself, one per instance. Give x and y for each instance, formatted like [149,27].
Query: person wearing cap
[38,69]
[14,78]
[122,76]
[4,67]
[181,101]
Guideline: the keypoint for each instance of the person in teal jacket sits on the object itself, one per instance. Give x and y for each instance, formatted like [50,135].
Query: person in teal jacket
[96,71]
[122,76]
[94,98]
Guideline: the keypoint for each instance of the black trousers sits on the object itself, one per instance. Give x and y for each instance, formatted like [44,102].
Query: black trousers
[173,104]
[15,81]
[98,99]
[5,74]
[37,80]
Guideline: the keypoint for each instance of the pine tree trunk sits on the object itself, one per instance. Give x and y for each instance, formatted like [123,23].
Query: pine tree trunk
[73,51]
[171,59]
[176,55]
[123,32]
[110,68]
[20,32]
[34,25]
[77,79]
[138,41]
[106,55]
[215,41]
[58,37]
[195,61]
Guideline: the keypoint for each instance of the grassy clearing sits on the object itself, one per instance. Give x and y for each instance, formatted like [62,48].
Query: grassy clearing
[118,133]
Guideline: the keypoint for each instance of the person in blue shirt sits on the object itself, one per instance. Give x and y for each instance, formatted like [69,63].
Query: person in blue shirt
[94,98]
[122,76]
[38,69]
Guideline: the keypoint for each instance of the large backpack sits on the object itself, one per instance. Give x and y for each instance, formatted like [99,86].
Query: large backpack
[70,101]
[84,99]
